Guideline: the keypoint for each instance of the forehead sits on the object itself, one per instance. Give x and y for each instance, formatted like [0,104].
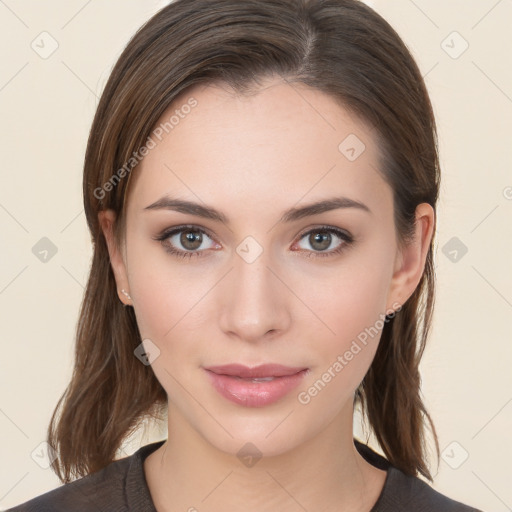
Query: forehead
[280,144]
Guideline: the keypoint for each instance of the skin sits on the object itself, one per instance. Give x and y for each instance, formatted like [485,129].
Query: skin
[253,157]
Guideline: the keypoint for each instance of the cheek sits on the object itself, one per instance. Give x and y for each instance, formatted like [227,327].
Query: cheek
[351,305]
[166,292]
[170,313]
[348,300]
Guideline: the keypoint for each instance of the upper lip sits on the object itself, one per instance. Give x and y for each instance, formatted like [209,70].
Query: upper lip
[264,370]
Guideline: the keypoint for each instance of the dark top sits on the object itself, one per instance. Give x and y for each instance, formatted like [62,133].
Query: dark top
[121,486]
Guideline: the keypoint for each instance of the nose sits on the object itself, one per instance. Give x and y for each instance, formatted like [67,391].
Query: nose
[255,303]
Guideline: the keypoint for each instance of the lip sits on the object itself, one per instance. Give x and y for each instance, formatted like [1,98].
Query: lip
[261,371]
[235,382]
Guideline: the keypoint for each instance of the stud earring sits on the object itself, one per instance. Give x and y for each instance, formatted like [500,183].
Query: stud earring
[126,294]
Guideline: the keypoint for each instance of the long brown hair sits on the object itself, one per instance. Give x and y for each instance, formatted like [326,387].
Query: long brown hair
[340,47]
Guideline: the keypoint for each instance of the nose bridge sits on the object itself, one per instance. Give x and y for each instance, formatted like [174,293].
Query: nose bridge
[256,302]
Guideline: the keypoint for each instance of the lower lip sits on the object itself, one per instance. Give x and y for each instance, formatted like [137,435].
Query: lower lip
[254,394]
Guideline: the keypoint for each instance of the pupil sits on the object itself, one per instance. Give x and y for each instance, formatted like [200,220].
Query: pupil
[191,240]
[323,239]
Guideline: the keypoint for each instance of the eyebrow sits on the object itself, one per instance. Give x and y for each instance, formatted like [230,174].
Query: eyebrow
[293,214]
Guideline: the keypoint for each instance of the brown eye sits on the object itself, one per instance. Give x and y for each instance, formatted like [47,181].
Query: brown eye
[191,240]
[187,241]
[324,241]
[320,241]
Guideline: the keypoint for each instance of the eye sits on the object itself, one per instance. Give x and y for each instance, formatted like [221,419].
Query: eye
[325,241]
[186,241]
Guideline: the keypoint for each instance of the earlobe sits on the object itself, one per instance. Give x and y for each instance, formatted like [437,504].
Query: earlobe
[107,220]
[410,262]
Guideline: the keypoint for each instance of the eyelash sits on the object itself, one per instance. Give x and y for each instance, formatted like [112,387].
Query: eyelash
[343,235]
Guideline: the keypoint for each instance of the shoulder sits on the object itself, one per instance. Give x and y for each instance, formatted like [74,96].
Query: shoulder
[403,493]
[120,486]
[91,492]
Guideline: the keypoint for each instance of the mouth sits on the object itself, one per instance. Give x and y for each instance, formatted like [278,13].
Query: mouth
[261,372]
[255,387]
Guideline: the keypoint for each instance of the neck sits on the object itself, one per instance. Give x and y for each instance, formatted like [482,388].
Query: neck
[324,473]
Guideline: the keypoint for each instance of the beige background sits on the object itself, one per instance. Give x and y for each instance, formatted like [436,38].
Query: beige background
[46,109]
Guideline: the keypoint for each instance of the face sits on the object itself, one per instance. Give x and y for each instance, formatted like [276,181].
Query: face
[253,274]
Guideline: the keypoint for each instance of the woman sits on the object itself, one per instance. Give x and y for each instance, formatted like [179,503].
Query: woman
[260,183]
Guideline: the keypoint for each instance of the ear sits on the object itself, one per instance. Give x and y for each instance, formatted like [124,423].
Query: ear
[107,220]
[410,261]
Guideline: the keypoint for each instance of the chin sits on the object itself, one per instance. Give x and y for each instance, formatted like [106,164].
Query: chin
[264,433]
[246,444]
